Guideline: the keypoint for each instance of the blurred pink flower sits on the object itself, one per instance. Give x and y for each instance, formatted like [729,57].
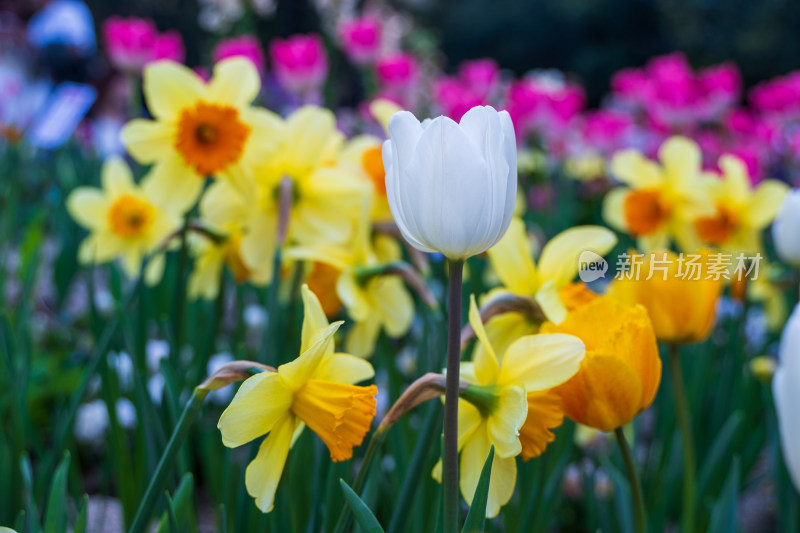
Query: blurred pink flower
[300,62]
[482,76]
[779,98]
[606,130]
[455,97]
[247,46]
[544,104]
[132,42]
[169,45]
[397,71]
[361,39]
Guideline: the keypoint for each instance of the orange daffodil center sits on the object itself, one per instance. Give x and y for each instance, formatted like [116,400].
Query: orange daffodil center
[130,217]
[717,229]
[372,161]
[646,211]
[210,137]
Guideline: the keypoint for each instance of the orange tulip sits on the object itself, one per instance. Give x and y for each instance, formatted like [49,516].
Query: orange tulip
[620,373]
[680,296]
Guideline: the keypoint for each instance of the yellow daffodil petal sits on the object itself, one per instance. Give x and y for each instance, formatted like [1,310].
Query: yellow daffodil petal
[502,481]
[394,304]
[511,260]
[736,182]
[485,361]
[155,270]
[362,337]
[116,177]
[382,110]
[614,208]
[266,131]
[174,184]
[539,362]
[259,404]
[264,473]
[222,205]
[544,414]
[235,82]
[344,368]
[559,259]
[502,330]
[681,159]
[506,420]
[314,320]
[549,300]
[131,261]
[296,373]
[88,207]
[258,245]
[148,140]
[632,168]
[765,202]
[169,87]
[353,296]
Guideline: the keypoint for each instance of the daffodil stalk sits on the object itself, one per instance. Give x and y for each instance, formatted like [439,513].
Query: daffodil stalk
[235,371]
[633,481]
[684,423]
[450,447]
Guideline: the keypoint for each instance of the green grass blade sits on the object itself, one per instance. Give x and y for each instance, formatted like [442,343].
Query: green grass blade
[364,517]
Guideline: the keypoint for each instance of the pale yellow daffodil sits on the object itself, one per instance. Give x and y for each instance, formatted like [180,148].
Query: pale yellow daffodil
[363,155]
[200,129]
[125,221]
[499,411]
[512,260]
[315,390]
[657,202]
[741,211]
[374,302]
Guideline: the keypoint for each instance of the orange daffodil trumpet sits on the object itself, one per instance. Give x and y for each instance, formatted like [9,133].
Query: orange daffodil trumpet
[620,374]
[682,309]
[125,220]
[741,211]
[507,406]
[452,186]
[200,129]
[658,202]
[316,390]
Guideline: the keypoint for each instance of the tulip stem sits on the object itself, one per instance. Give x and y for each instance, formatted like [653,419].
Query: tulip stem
[450,447]
[685,425]
[633,481]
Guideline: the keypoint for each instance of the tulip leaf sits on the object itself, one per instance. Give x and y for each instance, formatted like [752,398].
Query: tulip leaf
[723,514]
[717,457]
[80,523]
[476,517]
[55,518]
[366,520]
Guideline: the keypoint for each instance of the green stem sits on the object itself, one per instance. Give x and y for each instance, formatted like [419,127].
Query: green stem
[271,329]
[633,481]
[685,425]
[375,442]
[450,446]
[179,434]
[179,303]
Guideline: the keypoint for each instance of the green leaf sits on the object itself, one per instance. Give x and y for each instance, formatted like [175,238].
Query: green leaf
[723,514]
[476,517]
[55,518]
[364,517]
[80,524]
[716,460]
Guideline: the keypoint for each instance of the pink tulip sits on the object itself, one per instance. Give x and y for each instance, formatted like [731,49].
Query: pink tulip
[247,46]
[481,75]
[169,45]
[455,98]
[300,62]
[397,71]
[129,42]
[361,39]
[544,105]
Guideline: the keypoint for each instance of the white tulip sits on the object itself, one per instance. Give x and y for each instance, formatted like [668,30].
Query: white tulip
[786,390]
[786,228]
[452,186]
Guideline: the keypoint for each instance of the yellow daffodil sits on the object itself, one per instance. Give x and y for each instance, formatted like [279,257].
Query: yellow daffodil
[125,220]
[657,203]
[200,129]
[509,406]
[315,390]
[741,211]
[363,155]
[680,295]
[374,300]
[512,260]
[620,374]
